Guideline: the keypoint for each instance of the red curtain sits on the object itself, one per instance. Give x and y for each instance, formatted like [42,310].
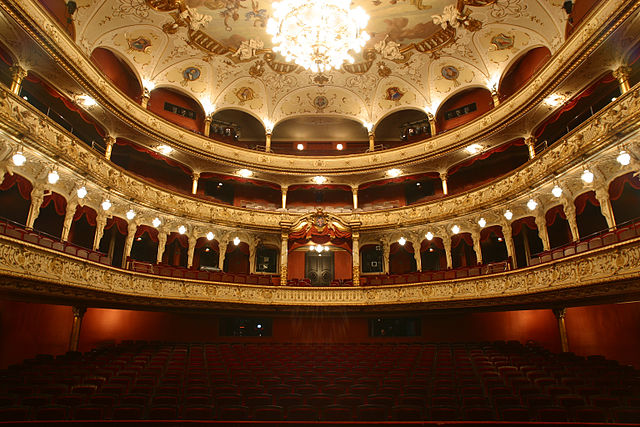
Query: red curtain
[319,187]
[59,203]
[5,57]
[242,247]
[119,223]
[436,241]
[420,177]
[24,186]
[529,221]
[581,201]
[207,175]
[395,247]
[203,241]
[181,238]
[486,233]
[68,103]
[607,78]
[151,232]
[89,214]
[553,214]
[617,185]
[154,154]
[485,155]
[456,239]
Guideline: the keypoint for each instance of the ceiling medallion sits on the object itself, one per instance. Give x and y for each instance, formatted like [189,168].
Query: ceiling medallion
[394,94]
[190,74]
[140,44]
[502,41]
[317,35]
[320,102]
[245,94]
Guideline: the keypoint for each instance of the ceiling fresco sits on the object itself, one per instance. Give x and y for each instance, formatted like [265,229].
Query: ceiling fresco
[420,53]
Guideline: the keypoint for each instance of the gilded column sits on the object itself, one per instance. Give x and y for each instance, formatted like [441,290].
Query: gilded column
[101,222]
[495,97]
[17,75]
[109,141]
[446,242]
[284,257]
[207,124]
[543,233]
[162,244]
[144,100]
[355,257]
[569,209]
[191,251]
[622,74]
[267,142]
[475,235]
[530,141]
[432,123]
[372,141]
[354,192]
[74,339]
[417,255]
[194,182]
[443,178]
[253,246]
[602,195]
[37,197]
[223,253]
[560,314]
[68,219]
[508,242]
[386,248]
[284,189]
[128,243]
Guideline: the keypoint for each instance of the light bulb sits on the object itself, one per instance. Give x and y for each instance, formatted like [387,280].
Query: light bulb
[556,191]
[531,204]
[429,236]
[587,176]
[245,173]
[402,241]
[106,205]
[319,180]
[300,147]
[236,241]
[156,222]
[455,229]
[482,222]
[130,214]
[210,236]
[508,214]
[82,192]
[182,229]
[53,177]
[624,158]
[393,173]
[19,159]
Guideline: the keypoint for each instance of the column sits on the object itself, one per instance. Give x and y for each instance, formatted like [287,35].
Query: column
[543,233]
[475,235]
[17,75]
[432,123]
[267,142]
[284,257]
[37,197]
[192,249]
[570,212]
[68,219]
[355,257]
[253,247]
[446,242]
[101,221]
[144,100]
[194,182]
[222,245]
[417,255]
[128,243]
[443,178]
[508,241]
[602,195]
[284,196]
[207,124]
[109,141]
[162,243]
[496,97]
[74,339]
[560,314]
[354,191]
[530,141]
[386,248]
[372,141]
[622,74]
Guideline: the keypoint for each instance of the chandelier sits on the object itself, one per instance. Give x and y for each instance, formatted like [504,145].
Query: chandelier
[317,34]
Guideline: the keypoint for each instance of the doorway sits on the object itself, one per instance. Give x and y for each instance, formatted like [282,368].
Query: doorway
[319,267]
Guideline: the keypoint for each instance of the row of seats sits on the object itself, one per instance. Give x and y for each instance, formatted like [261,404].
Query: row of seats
[428,276]
[211,276]
[401,382]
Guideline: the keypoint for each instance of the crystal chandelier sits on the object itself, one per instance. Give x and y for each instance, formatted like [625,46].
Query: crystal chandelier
[317,34]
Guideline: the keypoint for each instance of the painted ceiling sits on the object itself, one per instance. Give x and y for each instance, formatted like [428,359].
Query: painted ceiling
[420,53]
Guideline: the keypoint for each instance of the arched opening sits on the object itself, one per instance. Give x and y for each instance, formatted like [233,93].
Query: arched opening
[624,193]
[83,227]
[118,72]
[319,136]
[236,260]
[15,198]
[403,127]
[178,108]
[401,258]
[488,166]
[432,255]
[238,191]
[151,166]
[371,259]
[175,251]
[319,196]
[145,244]
[462,253]
[238,128]
[526,240]
[558,227]
[401,191]
[492,245]
[521,71]
[579,9]
[463,107]
[113,239]
[207,254]
[62,12]
[51,217]
[267,259]
[588,215]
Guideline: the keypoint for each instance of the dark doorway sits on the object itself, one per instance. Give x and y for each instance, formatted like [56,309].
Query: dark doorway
[319,267]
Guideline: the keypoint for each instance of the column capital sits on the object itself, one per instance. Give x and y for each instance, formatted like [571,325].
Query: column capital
[78,311]
[195,175]
[622,72]
[560,313]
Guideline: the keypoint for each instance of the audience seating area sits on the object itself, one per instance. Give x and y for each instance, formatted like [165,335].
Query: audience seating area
[428,276]
[504,381]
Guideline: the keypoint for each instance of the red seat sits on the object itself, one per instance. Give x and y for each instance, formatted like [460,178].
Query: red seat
[89,412]
[268,413]
[52,412]
[336,413]
[233,413]
[163,412]
[302,413]
[407,413]
[14,413]
[198,412]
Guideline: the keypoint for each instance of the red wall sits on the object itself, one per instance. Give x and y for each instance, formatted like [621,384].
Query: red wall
[160,96]
[118,72]
[378,194]
[58,9]
[482,98]
[521,71]
[343,265]
[581,9]
[295,264]
[27,329]
[264,195]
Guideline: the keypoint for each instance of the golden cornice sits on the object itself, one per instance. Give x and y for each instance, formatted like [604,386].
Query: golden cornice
[607,271]
[590,35]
